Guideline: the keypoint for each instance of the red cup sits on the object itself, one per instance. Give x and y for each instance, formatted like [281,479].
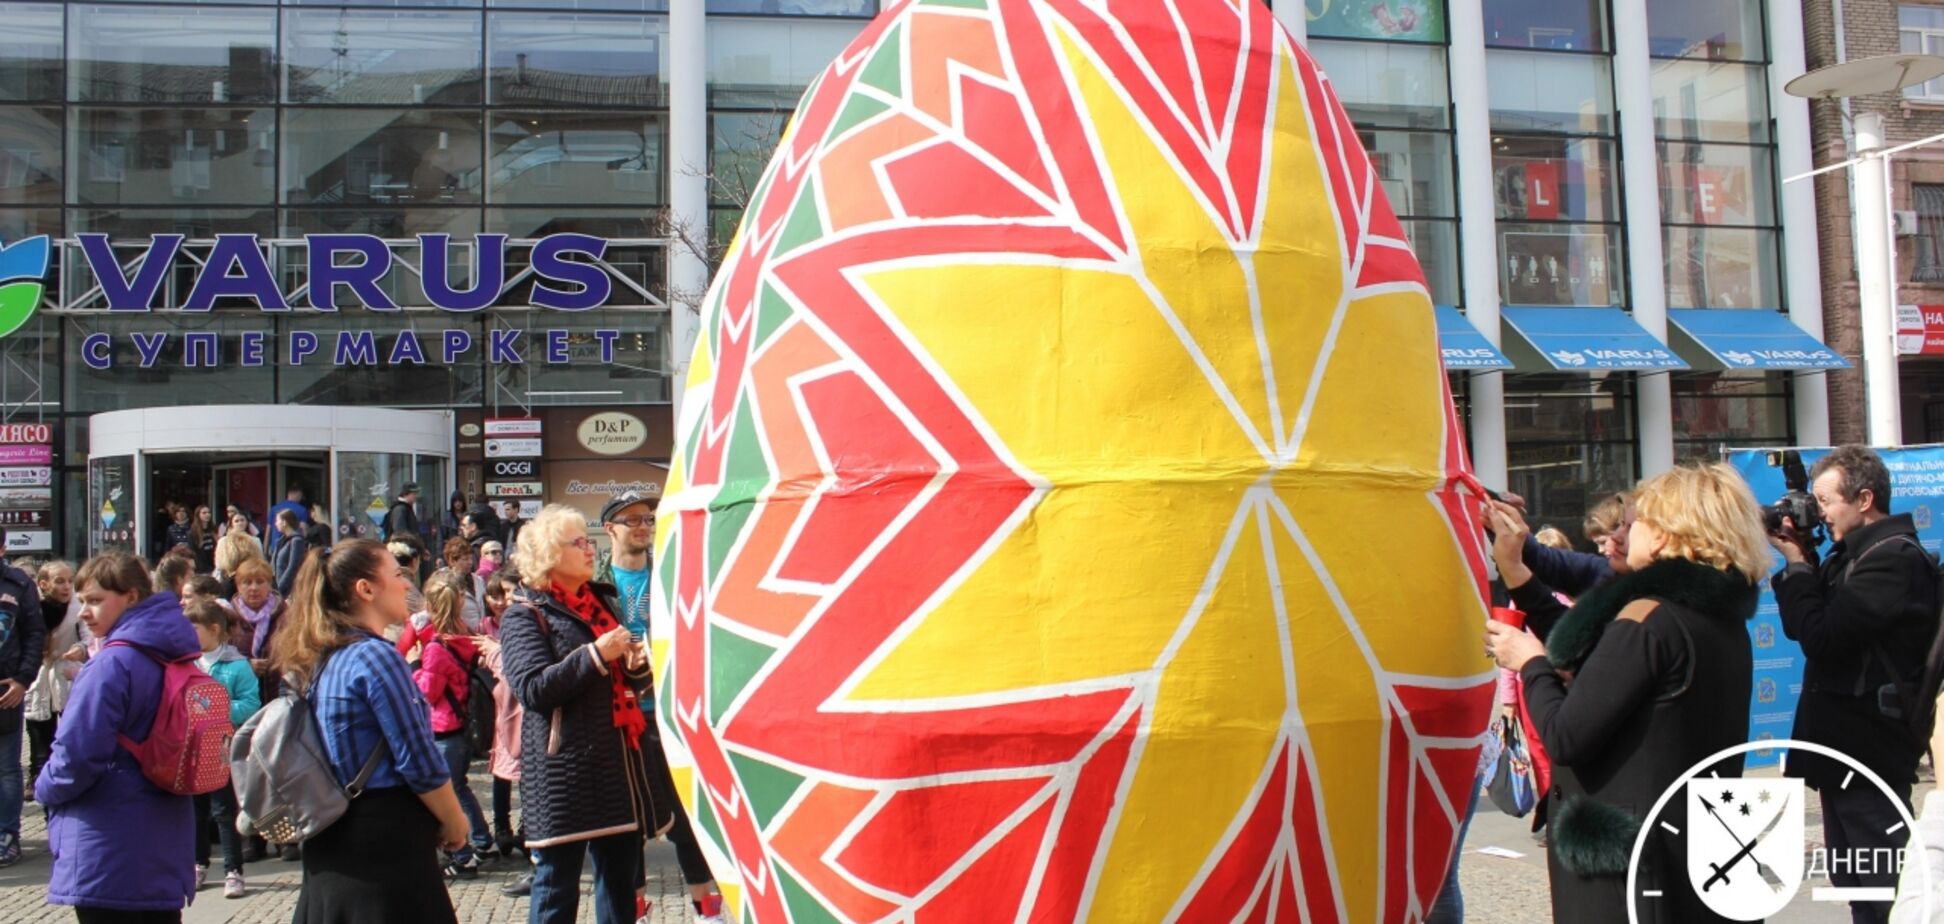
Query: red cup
[1509,616]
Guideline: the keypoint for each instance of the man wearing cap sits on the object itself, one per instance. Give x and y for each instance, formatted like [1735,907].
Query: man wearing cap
[630,523]
[402,518]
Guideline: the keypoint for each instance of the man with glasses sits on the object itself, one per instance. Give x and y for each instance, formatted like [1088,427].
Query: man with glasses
[630,523]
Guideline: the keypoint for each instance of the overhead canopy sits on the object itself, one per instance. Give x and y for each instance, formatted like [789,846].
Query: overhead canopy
[1585,340]
[1462,344]
[1749,339]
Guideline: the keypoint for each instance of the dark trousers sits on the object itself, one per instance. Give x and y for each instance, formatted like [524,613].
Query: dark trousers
[40,743]
[502,807]
[556,879]
[1856,819]
[115,916]
[217,811]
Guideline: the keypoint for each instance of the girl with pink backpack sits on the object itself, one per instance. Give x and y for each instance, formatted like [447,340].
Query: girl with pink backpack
[98,794]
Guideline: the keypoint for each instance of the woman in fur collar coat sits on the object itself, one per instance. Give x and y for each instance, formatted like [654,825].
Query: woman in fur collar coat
[1644,677]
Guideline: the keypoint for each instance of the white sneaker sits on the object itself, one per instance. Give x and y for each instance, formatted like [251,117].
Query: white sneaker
[233,885]
[202,876]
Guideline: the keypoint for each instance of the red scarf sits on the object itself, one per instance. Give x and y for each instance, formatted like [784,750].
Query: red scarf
[627,708]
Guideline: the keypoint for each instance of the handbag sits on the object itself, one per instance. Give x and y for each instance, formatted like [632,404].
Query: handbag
[1511,786]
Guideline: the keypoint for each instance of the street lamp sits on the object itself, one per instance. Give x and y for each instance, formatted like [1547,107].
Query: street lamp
[1870,227]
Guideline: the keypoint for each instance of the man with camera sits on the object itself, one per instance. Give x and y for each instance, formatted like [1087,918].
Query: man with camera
[1864,619]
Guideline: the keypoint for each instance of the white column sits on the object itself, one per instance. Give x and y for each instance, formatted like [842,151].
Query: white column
[1293,14]
[1478,238]
[688,184]
[1633,93]
[1801,248]
[1875,289]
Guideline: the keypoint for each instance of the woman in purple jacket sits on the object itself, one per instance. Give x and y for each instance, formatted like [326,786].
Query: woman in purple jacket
[94,788]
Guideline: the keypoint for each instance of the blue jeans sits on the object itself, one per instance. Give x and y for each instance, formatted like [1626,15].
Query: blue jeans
[10,783]
[1450,906]
[556,880]
[458,758]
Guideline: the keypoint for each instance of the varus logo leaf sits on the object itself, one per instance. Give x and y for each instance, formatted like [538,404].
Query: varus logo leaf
[23,264]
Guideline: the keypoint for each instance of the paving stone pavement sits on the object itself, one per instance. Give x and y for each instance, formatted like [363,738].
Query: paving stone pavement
[274,883]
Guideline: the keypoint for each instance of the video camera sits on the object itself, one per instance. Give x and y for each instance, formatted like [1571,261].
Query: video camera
[1798,505]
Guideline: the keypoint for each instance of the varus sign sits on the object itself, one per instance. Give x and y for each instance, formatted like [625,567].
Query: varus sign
[566,276]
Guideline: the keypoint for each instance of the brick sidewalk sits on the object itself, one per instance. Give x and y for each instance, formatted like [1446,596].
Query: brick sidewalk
[274,884]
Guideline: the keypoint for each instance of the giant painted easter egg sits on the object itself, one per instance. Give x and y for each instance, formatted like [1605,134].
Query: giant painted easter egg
[1061,523]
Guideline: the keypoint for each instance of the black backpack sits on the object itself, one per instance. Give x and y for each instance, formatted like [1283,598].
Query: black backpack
[479,714]
[1916,699]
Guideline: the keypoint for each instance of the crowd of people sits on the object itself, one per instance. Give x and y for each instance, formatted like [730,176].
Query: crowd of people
[416,666]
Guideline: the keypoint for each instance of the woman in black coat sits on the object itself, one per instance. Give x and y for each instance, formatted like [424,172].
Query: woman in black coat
[584,782]
[1646,676]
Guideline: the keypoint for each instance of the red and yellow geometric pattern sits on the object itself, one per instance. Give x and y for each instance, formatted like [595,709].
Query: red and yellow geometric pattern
[1062,522]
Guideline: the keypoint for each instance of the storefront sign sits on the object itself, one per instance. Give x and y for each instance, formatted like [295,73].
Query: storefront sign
[23,517]
[513,488]
[503,347]
[27,477]
[521,468]
[1920,330]
[1542,189]
[1709,195]
[26,433]
[513,426]
[1393,20]
[26,498]
[518,447]
[612,433]
[26,454]
[30,540]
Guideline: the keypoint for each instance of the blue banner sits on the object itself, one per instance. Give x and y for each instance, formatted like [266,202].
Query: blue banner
[1916,488]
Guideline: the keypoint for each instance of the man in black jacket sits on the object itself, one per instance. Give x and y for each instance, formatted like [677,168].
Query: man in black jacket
[402,518]
[23,634]
[1864,619]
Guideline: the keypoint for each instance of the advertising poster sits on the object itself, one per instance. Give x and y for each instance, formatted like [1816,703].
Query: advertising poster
[1555,268]
[1916,488]
[1393,20]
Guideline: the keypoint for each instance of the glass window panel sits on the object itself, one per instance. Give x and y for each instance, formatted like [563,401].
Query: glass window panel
[366,484]
[796,7]
[1713,30]
[1714,267]
[1538,91]
[437,3]
[1927,264]
[194,223]
[1710,102]
[620,6]
[767,63]
[30,364]
[380,157]
[172,54]
[1387,84]
[1566,25]
[30,156]
[1416,170]
[641,266]
[1713,409]
[1920,15]
[19,223]
[1716,184]
[166,156]
[1562,481]
[537,223]
[593,157]
[1436,246]
[30,51]
[403,384]
[637,374]
[171,381]
[1550,178]
[577,60]
[402,226]
[381,56]
[740,147]
[1575,265]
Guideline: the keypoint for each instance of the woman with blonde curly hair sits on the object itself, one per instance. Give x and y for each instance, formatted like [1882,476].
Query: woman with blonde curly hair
[1646,676]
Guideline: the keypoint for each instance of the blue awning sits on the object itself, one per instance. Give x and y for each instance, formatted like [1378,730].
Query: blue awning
[1589,339]
[1751,339]
[1463,346]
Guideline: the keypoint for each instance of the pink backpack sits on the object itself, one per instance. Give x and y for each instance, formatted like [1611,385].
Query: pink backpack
[187,749]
